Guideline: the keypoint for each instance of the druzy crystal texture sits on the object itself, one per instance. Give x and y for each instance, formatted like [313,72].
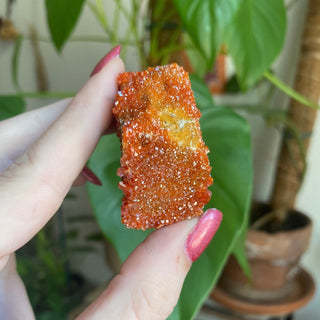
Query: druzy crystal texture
[165,170]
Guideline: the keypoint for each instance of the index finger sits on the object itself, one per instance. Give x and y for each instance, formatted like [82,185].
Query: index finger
[33,188]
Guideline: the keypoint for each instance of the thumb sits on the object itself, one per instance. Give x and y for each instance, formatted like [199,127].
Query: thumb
[150,281]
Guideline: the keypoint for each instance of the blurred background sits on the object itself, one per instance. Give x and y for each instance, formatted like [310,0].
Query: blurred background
[68,70]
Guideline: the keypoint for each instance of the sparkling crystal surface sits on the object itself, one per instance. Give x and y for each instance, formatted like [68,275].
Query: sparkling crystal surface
[165,171]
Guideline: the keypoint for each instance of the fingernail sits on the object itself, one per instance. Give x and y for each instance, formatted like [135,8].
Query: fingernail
[89,175]
[203,233]
[115,52]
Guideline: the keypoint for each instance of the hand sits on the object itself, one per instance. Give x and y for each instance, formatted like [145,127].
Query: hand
[41,155]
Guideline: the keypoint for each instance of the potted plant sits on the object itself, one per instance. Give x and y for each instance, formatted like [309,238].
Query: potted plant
[207,28]
[279,235]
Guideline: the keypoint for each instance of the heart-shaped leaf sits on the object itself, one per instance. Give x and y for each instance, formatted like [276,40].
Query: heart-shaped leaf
[253,32]
[205,21]
[255,38]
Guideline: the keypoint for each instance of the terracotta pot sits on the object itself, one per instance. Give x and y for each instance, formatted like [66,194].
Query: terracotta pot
[273,259]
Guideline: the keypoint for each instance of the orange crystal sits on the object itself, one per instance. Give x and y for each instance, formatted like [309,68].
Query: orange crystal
[165,170]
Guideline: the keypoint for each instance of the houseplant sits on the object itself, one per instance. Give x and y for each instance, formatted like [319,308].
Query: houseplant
[279,234]
[225,133]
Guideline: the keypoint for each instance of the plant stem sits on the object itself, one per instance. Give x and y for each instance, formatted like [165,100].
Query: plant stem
[101,17]
[15,62]
[139,44]
[289,91]
[116,18]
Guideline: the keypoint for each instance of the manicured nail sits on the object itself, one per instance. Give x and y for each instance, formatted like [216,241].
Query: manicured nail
[203,233]
[89,175]
[115,52]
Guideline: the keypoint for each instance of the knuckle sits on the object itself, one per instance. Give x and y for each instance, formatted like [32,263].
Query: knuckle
[150,302]
[29,174]
[45,180]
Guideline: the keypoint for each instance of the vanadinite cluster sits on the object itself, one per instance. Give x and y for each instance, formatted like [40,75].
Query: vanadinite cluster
[165,171]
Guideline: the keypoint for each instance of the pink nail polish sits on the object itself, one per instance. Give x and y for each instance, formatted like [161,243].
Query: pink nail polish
[203,232]
[115,52]
[89,175]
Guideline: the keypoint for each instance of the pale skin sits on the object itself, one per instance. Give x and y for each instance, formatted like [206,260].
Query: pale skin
[41,156]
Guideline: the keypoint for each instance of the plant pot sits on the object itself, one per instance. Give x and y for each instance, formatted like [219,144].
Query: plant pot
[273,259]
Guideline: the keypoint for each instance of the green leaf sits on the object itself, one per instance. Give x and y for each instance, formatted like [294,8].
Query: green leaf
[240,254]
[253,32]
[196,59]
[11,106]
[205,21]
[227,136]
[201,93]
[62,17]
[106,200]
[255,38]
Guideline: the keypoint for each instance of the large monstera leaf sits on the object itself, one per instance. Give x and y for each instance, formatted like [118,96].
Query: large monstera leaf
[227,136]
